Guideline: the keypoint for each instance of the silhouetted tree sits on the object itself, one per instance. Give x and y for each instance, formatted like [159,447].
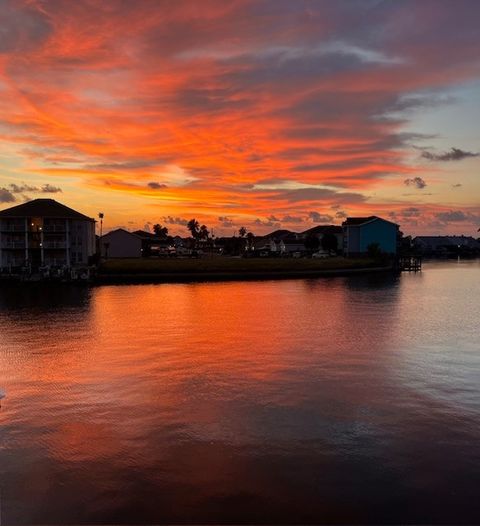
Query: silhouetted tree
[194,226]
[242,231]
[374,251]
[330,242]
[160,231]
[203,233]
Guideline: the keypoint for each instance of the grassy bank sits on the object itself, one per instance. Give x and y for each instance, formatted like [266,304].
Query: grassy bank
[223,268]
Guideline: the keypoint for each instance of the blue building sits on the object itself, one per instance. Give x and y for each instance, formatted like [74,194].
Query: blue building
[360,232]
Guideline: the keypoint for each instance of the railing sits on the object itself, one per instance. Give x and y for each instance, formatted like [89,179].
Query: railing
[13,244]
[12,228]
[14,263]
[54,244]
[54,228]
[54,262]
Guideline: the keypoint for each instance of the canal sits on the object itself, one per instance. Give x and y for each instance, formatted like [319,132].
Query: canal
[353,399]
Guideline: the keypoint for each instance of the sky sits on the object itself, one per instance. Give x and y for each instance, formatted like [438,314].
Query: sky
[258,113]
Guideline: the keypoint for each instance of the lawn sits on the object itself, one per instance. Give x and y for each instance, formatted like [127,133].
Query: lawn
[226,265]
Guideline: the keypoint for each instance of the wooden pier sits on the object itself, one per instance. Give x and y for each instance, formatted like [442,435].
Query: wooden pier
[409,263]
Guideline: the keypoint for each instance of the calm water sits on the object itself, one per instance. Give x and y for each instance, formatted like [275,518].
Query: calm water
[334,400]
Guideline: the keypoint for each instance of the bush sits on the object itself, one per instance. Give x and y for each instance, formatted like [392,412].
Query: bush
[374,251]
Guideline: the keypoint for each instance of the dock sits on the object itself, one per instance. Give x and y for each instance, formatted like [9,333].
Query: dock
[409,263]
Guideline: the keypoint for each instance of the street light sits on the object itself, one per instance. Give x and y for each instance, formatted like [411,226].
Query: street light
[100,216]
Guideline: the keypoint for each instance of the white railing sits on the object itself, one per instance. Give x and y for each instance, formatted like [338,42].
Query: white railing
[13,244]
[12,228]
[54,228]
[14,263]
[54,262]
[54,244]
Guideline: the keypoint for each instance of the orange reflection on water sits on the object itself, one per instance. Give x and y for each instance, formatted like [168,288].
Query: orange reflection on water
[194,402]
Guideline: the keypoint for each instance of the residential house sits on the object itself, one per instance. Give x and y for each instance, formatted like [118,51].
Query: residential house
[278,235]
[361,232]
[445,245]
[264,246]
[44,232]
[290,245]
[320,230]
[120,243]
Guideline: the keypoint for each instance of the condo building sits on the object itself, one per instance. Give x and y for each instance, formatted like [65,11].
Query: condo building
[44,232]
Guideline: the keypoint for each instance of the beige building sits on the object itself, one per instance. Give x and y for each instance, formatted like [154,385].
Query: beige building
[120,243]
[43,232]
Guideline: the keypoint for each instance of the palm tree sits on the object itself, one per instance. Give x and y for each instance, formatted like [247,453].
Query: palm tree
[160,231]
[203,233]
[242,231]
[194,226]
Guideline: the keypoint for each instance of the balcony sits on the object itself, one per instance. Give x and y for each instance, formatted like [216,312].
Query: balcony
[12,228]
[13,244]
[54,228]
[19,262]
[55,262]
[55,244]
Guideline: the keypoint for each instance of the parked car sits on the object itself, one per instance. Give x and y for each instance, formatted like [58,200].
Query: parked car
[321,254]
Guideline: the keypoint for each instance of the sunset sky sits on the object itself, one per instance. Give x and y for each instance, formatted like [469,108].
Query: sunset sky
[256,113]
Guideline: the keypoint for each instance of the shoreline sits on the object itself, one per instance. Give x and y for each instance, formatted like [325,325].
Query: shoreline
[130,271]
[198,277]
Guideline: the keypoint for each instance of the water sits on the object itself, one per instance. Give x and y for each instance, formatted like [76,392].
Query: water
[332,400]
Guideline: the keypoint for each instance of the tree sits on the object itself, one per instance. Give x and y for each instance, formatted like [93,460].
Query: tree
[242,231]
[330,242]
[312,242]
[194,226]
[160,231]
[374,251]
[203,233]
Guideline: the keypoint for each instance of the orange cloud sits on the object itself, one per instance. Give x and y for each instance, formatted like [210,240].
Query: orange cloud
[228,108]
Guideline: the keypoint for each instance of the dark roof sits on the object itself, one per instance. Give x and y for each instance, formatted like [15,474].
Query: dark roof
[291,240]
[144,234]
[279,234]
[43,208]
[323,229]
[356,221]
[119,230]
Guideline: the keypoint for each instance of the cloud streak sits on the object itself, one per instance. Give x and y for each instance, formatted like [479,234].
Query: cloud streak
[417,182]
[229,108]
[454,154]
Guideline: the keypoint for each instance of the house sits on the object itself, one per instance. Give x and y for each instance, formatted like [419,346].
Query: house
[361,232]
[44,232]
[264,246]
[320,231]
[278,235]
[445,245]
[148,239]
[290,244]
[151,243]
[120,243]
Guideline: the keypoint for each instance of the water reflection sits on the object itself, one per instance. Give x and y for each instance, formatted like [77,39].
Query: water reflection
[292,401]
[43,297]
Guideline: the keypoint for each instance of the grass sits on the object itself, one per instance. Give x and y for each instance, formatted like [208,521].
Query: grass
[226,265]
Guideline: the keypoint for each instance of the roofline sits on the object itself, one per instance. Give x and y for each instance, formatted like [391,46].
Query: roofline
[374,218]
[4,214]
[120,230]
[78,218]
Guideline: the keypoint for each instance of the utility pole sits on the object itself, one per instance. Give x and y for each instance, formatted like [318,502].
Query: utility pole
[101,216]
